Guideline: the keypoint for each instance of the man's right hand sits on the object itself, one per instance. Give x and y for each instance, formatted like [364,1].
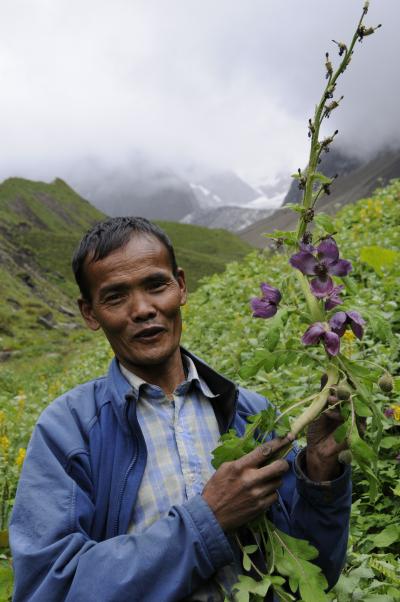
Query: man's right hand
[241,490]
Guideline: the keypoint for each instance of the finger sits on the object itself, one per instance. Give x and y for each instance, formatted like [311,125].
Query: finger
[269,487]
[272,472]
[263,453]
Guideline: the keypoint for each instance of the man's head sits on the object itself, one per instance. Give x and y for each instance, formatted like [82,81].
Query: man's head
[133,290]
[109,235]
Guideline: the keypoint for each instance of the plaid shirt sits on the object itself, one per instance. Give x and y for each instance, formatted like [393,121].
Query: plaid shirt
[180,434]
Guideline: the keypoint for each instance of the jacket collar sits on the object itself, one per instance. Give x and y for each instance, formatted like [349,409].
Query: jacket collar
[225,391]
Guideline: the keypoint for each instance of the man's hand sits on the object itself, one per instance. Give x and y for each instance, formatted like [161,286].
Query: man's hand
[241,490]
[322,450]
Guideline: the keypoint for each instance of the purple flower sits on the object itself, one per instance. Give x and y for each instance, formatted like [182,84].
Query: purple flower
[341,319]
[397,458]
[389,412]
[325,263]
[319,332]
[333,298]
[267,306]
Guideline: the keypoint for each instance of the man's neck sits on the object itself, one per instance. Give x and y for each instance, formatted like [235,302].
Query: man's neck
[166,376]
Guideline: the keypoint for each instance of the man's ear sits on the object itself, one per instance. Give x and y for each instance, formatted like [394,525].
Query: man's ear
[181,279]
[86,310]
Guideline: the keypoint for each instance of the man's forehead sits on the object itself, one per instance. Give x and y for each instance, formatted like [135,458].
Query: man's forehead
[140,257]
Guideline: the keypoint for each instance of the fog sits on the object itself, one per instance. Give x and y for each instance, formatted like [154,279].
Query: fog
[227,84]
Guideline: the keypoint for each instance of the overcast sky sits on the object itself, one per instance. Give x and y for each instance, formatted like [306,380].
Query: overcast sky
[229,83]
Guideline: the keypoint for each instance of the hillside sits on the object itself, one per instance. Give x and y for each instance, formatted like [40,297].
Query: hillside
[219,327]
[356,180]
[40,225]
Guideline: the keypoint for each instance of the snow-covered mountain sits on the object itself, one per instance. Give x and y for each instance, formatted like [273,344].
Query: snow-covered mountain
[217,199]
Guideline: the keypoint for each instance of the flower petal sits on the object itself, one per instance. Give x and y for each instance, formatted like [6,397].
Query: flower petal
[331,343]
[340,268]
[328,249]
[305,262]
[270,293]
[338,322]
[313,334]
[334,299]
[321,287]
[356,323]
[262,308]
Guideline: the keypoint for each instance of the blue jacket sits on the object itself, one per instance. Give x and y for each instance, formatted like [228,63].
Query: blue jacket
[78,487]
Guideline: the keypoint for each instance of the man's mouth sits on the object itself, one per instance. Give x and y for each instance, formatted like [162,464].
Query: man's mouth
[149,332]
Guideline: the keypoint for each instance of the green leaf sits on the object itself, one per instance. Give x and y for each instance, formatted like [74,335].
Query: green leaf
[6,581]
[325,221]
[288,237]
[390,443]
[379,325]
[386,537]
[250,549]
[396,490]
[317,175]
[294,206]
[251,367]
[246,562]
[292,558]
[273,336]
[379,258]
[247,585]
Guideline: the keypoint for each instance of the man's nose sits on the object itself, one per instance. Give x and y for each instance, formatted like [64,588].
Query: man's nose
[141,308]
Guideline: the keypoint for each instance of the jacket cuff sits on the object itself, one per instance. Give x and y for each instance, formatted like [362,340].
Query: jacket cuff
[324,492]
[212,535]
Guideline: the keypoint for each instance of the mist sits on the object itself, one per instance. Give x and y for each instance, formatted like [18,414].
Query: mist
[183,83]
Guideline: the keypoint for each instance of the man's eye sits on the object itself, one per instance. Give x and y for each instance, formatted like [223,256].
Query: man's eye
[113,298]
[157,285]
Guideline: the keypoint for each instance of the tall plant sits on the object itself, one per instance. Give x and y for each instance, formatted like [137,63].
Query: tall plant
[321,281]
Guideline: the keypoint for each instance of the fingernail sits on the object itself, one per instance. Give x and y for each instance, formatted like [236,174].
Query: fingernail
[266,450]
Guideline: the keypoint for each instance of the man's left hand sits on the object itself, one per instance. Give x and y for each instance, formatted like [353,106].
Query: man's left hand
[322,450]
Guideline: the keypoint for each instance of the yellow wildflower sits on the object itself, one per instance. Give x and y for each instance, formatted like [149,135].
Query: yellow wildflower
[4,444]
[349,336]
[396,413]
[20,457]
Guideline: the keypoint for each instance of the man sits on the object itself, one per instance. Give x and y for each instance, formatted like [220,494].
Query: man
[117,499]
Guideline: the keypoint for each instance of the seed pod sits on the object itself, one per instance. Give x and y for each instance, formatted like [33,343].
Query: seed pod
[345,457]
[343,392]
[386,382]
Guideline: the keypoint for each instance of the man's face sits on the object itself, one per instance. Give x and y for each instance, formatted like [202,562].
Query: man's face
[135,300]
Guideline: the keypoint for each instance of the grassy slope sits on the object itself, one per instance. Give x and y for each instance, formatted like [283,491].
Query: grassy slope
[40,225]
[218,325]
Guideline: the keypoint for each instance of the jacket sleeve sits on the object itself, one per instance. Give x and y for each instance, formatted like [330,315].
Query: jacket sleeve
[56,560]
[319,513]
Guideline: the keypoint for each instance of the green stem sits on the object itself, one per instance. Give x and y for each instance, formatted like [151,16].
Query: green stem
[317,405]
[315,148]
[317,314]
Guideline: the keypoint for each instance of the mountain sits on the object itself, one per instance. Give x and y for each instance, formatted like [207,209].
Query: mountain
[40,226]
[222,188]
[228,217]
[140,189]
[357,179]
[195,195]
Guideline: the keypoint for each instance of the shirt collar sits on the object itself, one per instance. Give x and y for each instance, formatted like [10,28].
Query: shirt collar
[192,378]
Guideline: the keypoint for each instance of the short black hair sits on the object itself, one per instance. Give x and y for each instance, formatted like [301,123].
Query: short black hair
[109,235]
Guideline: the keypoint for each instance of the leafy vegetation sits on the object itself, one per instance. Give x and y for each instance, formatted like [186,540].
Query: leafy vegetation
[252,352]
[218,326]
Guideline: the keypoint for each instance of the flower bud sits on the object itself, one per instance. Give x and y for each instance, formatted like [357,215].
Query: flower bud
[343,392]
[345,457]
[386,382]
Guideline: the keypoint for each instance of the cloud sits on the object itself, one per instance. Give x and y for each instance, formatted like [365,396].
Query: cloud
[227,83]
